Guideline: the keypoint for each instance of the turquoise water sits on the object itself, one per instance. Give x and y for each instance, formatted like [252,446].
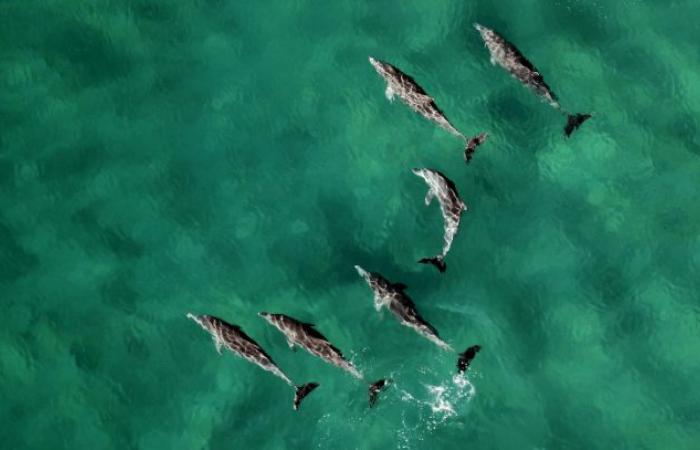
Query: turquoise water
[228,157]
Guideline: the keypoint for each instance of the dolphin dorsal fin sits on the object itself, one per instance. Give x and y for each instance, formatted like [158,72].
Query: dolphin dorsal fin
[306,324]
[400,286]
[425,99]
[429,196]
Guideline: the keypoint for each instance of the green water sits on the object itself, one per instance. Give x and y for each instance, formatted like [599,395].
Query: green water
[226,157]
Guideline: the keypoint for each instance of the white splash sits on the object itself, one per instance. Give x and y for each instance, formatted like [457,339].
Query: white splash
[439,404]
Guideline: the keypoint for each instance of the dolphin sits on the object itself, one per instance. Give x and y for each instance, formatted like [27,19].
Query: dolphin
[393,296]
[509,57]
[234,339]
[410,92]
[465,358]
[307,337]
[451,206]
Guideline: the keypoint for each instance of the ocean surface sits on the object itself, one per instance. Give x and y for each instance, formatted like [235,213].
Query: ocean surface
[225,157]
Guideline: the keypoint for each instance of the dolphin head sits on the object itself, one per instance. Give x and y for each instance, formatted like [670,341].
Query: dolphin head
[203,321]
[485,33]
[364,274]
[382,68]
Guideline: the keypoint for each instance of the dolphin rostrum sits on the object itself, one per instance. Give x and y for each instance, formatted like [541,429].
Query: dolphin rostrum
[393,296]
[451,206]
[307,337]
[410,92]
[465,358]
[234,339]
[509,57]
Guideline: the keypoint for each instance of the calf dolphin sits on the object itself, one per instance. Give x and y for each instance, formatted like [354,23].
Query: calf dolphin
[413,95]
[465,358]
[234,339]
[306,336]
[392,296]
[451,207]
[509,57]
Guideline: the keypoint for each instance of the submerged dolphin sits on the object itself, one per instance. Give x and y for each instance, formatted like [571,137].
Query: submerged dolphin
[392,296]
[410,92]
[509,57]
[307,337]
[465,358]
[234,339]
[451,206]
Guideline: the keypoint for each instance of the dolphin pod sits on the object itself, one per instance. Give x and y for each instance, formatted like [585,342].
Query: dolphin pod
[234,339]
[386,293]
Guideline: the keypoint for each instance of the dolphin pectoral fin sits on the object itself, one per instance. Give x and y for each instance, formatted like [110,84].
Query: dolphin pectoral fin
[291,345]
[429,197]
[218,344]
[389,93]
[378,302]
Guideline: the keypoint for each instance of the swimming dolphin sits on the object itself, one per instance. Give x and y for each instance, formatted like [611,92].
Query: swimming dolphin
[234,339]
[509,57]
[374,390]
[465,358]
[307,337]
[392,296]
[410,92]
[451,206]
[472,144]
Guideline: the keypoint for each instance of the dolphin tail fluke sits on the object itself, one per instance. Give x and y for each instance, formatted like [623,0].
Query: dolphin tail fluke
[573,121]
[301,392]
[374,390]
[465,358]
[472,144]
[436,261]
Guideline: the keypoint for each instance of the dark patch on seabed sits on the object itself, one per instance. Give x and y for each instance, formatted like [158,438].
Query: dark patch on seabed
[15,260]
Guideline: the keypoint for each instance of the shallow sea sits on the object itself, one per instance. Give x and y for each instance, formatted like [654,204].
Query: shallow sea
[159,157]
